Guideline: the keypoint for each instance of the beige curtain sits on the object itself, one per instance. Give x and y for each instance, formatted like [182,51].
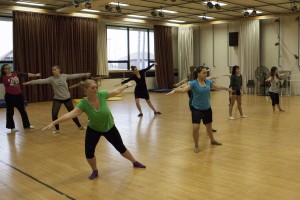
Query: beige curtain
[102,64]
[249,50]
[185,51]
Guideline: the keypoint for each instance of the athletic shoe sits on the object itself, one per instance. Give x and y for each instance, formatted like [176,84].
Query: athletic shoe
[157,113]
[30,127]
[140,115]
[13,130]
[214,130]
[55,132]
[231,118]
[244,116]
[81,128]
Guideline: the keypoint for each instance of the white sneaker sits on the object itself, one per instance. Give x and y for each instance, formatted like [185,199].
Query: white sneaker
[55,132]
[81,128]
[231,118]
[13,130]
[30,127]
[244,116]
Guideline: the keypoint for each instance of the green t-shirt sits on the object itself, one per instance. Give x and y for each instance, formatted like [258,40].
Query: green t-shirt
[100,120]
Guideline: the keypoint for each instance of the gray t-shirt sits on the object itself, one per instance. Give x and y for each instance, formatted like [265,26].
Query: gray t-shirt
[274,85]
[59,84]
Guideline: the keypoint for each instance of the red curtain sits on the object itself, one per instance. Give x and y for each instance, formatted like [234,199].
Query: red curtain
[42,40]
[163,56]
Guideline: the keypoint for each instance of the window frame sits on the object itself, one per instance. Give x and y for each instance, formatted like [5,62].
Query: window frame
[128,47]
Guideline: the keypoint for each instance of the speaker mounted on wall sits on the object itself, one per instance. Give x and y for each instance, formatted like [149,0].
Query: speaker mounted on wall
[233,39]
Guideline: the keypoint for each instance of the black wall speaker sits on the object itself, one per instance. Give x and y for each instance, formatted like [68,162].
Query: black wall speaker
[233,38]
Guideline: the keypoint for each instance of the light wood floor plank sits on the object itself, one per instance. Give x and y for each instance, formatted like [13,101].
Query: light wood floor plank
[259,158]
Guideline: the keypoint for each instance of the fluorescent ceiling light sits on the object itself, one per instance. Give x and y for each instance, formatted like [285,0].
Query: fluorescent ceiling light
[166,11]
[120,4]
[176,21]
[137,16]
[250,11]
[207,17]
[30,3]
[215,2]
[90,10]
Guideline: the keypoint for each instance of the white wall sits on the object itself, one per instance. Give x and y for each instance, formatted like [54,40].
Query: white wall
[221,55]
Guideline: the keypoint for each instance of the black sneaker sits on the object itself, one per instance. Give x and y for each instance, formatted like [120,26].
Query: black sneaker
[157,113]
[140,115]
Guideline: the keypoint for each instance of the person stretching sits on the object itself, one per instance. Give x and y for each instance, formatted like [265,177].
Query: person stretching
[140,91]
[201,108]
[274,88]
[101,123]
[61,92]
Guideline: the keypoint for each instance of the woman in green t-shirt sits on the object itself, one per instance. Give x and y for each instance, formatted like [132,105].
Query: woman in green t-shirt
[101,122]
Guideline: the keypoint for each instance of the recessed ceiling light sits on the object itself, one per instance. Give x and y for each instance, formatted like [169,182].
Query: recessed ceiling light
[250,11]
[90,10]
[167,11]
[120,4]
[215,2]
[176,21]
[137,16]
[206,17]
[30,3]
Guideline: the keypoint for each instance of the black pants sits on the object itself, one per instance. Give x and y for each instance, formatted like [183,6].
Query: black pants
[17,101]
[56,107]
[274,98]
[92,138]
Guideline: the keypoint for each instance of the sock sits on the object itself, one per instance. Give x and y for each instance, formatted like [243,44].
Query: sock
[138,165]
[93,175]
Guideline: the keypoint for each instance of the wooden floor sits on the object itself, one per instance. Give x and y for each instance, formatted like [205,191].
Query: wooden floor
[259,158]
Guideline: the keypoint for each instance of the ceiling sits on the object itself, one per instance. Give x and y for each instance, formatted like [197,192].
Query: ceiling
[187,10]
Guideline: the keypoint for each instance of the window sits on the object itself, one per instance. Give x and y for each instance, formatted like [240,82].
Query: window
[129,46]
[6,40]
[117,48]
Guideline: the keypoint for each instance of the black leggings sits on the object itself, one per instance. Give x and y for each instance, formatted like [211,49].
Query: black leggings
[274,98]
[56,107]
[92,138]
[17,101]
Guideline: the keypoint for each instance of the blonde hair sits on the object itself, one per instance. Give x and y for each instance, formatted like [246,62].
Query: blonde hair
[87,83]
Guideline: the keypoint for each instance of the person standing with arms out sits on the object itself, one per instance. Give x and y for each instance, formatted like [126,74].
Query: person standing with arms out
[191,77]
[141,91]
[201,108]
[101,123]
[13,96]
[236,83]
[274,88]
[61,92]
[229,75]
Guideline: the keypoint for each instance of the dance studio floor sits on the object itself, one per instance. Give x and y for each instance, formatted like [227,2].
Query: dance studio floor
[259,158]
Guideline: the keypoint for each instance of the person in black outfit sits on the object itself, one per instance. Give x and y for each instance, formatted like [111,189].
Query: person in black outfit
[141,91]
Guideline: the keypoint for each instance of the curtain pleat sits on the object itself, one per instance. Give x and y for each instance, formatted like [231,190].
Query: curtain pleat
[102,66]
[41,41]
[163,56]
[185,51]
[249,50]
